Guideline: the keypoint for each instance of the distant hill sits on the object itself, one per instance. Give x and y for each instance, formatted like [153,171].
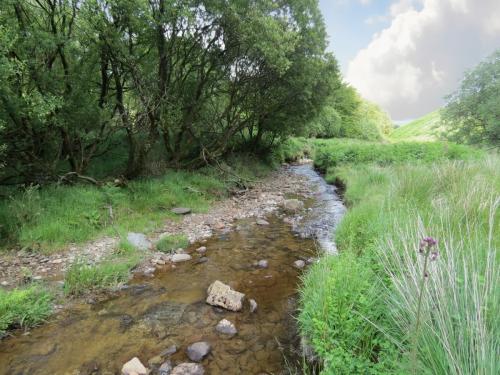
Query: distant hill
[426,128]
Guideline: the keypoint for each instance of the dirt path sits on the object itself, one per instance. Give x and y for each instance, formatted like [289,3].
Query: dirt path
[265,197]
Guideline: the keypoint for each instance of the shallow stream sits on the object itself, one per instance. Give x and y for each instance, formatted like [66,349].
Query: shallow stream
[151,314]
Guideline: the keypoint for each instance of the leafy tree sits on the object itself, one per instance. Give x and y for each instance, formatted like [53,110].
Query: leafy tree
[472,114]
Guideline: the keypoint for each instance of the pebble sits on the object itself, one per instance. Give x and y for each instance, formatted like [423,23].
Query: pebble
[199,350]
[180,258]
[134,367]
[253,305]
[202,249]
[169,351]
[299,264]
[188,369]
[262,222]
[262,263]
[165,368]
[226,327]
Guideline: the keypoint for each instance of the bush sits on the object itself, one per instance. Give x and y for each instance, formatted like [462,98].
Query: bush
[23,308]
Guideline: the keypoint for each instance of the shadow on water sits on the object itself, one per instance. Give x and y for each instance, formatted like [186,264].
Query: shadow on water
[151,314]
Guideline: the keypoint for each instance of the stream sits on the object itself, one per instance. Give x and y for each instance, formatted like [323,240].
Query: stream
[151,314]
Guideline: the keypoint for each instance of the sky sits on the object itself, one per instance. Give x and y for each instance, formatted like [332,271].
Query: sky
[407,55]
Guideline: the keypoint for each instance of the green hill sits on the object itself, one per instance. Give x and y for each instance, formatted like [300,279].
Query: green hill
[426,128]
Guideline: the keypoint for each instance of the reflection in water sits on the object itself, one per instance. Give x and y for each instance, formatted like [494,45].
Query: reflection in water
[150,315]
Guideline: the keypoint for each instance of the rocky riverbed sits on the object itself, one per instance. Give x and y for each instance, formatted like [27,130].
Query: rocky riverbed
[223,305]
[265,197]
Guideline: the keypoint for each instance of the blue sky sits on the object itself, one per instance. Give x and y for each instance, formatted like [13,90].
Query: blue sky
[348,28]
[407,55]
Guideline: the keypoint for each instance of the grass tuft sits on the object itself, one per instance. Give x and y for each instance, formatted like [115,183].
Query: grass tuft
[23,308]
[170,243]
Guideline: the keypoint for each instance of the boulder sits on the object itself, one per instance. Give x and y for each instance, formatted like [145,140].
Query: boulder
[220,294]
[139,241]
[199,350]
[226,327]
[176,258]
[293,205]
[188,369]
[262,222]
[134,367]
[181,210]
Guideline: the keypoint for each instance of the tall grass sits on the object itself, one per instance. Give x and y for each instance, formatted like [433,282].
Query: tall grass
[391,209]
[459,331]
[23,308]
[48,218]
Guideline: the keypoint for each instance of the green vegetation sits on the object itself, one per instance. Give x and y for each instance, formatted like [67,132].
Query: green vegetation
[331,153]
[191,80]
[23,308]
[49,218]
[359,309]
[347,115]
[472,114]
[83,278]
[168,244]
[426,128]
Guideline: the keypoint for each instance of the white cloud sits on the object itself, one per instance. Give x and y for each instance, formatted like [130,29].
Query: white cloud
[410,66]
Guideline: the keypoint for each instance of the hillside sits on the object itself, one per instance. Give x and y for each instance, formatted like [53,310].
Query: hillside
[426,128]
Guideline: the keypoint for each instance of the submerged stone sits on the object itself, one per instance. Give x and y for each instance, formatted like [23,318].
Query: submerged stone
[226,327]
[220,294]
[199,350]
[188,369]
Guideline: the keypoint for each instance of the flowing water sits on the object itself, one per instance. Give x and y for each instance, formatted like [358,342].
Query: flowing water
[151,314]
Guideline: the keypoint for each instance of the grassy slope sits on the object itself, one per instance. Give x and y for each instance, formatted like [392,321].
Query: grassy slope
[363,320]
[426,128]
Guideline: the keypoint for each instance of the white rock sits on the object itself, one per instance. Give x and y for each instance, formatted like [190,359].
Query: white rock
[180,257]
[202,249]
[226,327]
[134,367]
[299,263]
[253,305]
[262,222]
[139,241]
[188,369]
[220,294]
[262,263]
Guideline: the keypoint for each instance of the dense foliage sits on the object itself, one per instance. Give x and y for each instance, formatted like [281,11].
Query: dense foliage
[346,114]
[193,78]
[472,114]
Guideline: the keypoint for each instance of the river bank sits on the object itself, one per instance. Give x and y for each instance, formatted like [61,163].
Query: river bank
[257,247]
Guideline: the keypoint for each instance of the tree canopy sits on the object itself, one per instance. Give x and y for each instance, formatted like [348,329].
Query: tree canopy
[472,114]
[194,78]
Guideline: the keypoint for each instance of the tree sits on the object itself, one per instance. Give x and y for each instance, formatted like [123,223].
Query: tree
[472,113]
